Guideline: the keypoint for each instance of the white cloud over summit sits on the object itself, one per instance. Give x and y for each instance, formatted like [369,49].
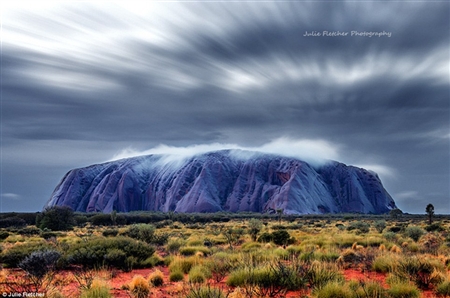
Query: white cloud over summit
[314,151]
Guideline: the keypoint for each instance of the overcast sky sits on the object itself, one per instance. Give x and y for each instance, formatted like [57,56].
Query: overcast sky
[84,83]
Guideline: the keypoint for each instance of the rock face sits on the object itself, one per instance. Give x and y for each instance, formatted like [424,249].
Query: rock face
[228,180]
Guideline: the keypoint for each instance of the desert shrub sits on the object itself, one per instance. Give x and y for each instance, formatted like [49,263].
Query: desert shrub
[12,221]
[176,275]
[403,290]
[268,280]
[80,220]
[370,289]
[143,232]
[380,225]
[101,219]
[435,227]
[414,232]
[333,290]
[174,245]
[156,278]
[28,231]
[385,263]
[219,267]
[39,263]
[396,229]
[139,287]
[56,218]
[110,232]
[197,274]
[192,250]
[430,243]
[265,237]
[184,264]
[249,246]
[205,292]
[419,270]
[282,237]
[153,261]
[14,255]
[359,226]
[322,273]
[96,252]
[116,258]
[98,289]
[390,236]
[443,289]
[48,235]
[254,227]
[4,235]
[350,256]
[160,239]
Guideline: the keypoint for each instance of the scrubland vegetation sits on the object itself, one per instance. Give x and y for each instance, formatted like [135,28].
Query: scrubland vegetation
[224,255]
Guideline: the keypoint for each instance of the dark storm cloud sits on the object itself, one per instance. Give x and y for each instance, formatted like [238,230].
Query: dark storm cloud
[82,82]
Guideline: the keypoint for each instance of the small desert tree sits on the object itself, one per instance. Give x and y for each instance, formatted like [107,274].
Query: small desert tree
[56,218]
[430,211]
[254,226]
[280,215]
[395,213]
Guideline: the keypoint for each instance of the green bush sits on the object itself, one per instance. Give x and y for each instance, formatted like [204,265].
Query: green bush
[110,232]
[39,263]
[265,237]
[205,292]
[174,245]
[176,275]
[334,290]
[4,235]
[143,232]
[380,225]
[56,219]
[359,226]
[443,289]
[282,237]
[14,255]
[322,273]
[403,290]
[12,221]
[385,263]
[419,270]
[435,227]
[192,250]
[197,274]
[119,252]
[98,289]
[183,264]
[219,267]
[414,233]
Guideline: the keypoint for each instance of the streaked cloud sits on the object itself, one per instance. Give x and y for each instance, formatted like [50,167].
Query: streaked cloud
[83,80]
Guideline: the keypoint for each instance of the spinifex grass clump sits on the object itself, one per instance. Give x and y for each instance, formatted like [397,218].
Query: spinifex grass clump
[156,278]
[205,292]
[333,290]
[443,289]
[319,274]
[139,287]
[98,289]
[387,262]
[268,280]
[199,274]
[403,290]
[184,264]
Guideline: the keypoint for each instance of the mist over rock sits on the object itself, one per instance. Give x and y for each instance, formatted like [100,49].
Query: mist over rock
[226,180]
